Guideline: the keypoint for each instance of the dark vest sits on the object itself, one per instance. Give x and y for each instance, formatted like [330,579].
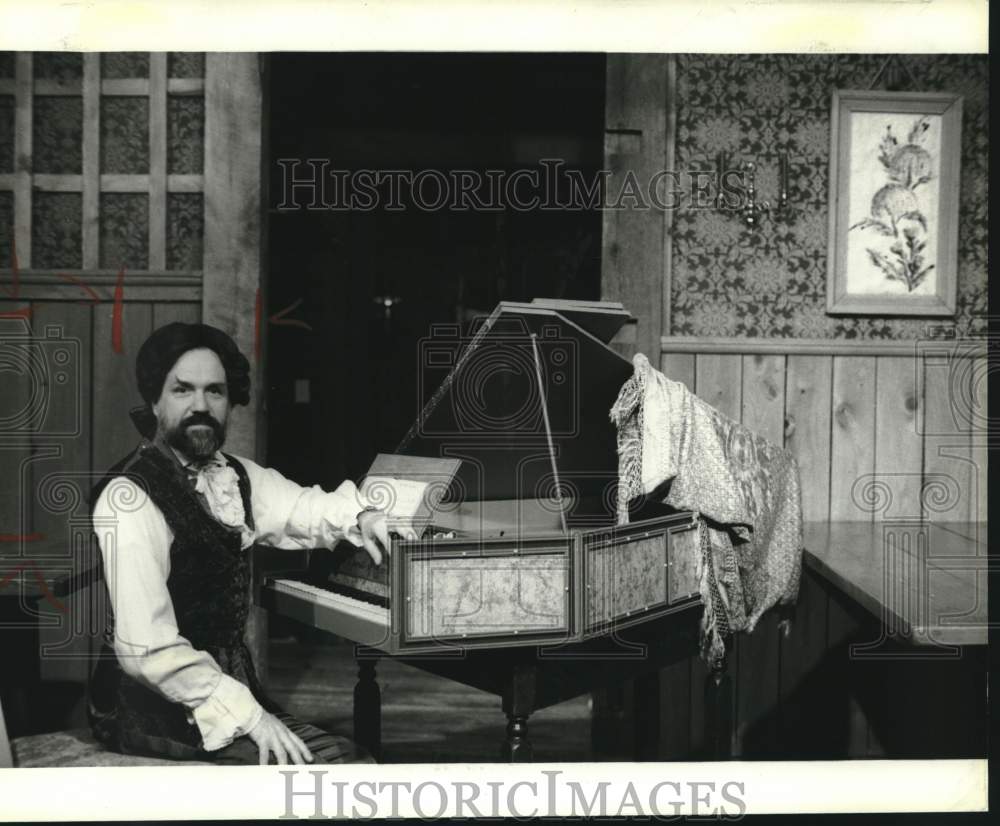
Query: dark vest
[209,585]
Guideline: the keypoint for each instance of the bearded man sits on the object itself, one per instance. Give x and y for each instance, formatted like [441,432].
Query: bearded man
[176,521]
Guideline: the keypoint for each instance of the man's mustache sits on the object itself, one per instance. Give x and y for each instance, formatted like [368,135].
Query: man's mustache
[205,419]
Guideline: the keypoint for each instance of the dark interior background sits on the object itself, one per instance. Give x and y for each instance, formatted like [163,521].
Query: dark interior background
[359,359]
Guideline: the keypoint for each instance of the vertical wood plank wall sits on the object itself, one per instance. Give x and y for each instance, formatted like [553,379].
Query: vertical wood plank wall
[84,433]
[85,425]
[881,431]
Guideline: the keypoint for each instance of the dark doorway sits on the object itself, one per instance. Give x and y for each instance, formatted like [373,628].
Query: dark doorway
[370,282]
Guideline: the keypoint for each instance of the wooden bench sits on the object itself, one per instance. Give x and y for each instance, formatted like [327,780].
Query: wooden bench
[77,747]
[34,583]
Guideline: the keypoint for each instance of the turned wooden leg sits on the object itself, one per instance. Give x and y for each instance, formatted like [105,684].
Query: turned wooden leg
[518,703]
[517,748]
[368,708]
[719,711]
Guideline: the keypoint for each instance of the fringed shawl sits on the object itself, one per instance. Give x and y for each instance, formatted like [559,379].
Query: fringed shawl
[745,490]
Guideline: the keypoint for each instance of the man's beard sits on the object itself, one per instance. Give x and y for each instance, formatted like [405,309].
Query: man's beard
[198,442]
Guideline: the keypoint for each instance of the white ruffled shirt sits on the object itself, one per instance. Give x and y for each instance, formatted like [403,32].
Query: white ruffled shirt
[135,544]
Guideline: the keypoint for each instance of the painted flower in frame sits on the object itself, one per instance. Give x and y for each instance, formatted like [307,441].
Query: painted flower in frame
[892,202]
[910,166]
[895,210]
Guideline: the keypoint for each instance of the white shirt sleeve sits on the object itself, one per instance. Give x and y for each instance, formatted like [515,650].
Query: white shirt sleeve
[287,515]
[135,545]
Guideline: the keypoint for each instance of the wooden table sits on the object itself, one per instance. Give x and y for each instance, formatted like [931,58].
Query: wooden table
[899,611]
[926,581]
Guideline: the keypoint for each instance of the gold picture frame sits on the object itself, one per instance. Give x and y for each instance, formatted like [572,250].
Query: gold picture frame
[894,191]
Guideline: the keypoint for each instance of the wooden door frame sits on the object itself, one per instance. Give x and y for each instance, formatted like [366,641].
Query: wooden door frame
[233,292]
[639,138]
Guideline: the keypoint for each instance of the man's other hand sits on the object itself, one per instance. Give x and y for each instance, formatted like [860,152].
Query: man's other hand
[274,737]
[374,533]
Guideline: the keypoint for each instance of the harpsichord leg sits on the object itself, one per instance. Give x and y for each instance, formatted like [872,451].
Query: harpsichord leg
[368,707]
[518,703]
[517,748]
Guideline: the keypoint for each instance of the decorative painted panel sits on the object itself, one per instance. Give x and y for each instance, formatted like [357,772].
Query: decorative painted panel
[124,238]
[683,559]
[186,64]
[625,578]
[185,134]
[6,133]
[121,65]
[57,135]
[729,282]
[125,135]
[490,595]
[55,230]
[185,221]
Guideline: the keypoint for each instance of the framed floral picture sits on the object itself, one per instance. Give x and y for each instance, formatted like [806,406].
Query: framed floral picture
[894,191]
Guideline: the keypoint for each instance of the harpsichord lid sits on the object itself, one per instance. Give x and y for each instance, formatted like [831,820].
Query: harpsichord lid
[523,401]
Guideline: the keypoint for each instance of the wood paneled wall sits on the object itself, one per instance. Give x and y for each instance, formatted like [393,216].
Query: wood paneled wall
[62,362]
[881,431]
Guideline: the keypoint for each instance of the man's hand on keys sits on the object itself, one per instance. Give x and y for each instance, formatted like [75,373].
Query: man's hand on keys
[374,529]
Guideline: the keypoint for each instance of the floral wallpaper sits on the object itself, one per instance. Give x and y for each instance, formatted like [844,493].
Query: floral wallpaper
[185,135]
[124,230]
[185,220]
[57,135]
[115,65]
[59,66]
[729,282]
[56,237]
[186,64]
[125,135]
